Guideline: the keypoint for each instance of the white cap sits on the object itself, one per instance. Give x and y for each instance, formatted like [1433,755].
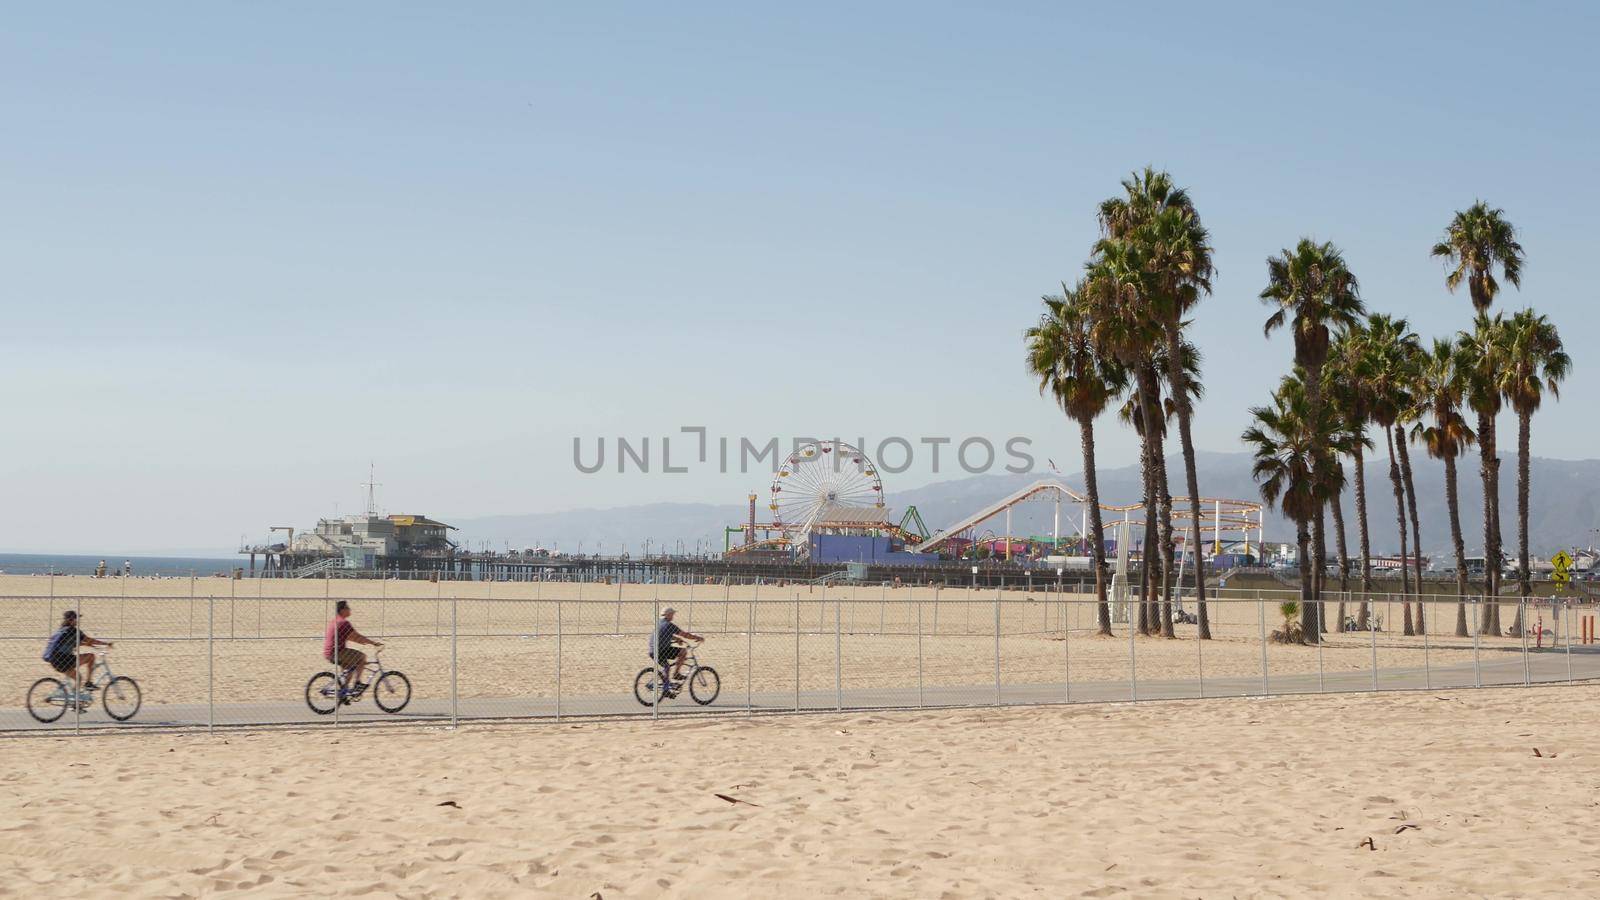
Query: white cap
[668,611]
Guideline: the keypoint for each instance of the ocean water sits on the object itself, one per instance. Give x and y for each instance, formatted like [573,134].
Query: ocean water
[41,563]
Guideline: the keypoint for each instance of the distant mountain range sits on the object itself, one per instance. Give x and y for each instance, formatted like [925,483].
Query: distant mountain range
[1564,508]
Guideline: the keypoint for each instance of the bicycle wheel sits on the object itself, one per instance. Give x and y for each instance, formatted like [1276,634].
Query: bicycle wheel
[391,692]
[47,700]
[322,693]
[645,686]
[121,698]
[704,685]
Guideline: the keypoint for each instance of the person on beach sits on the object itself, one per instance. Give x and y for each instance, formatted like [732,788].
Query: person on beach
[63,654]
[663,644]
[336,649]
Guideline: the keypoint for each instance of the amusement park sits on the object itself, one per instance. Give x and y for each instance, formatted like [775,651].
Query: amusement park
[827,505]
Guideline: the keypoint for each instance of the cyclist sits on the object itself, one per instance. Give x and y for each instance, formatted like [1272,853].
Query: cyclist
[63,654]
[336,649]
[663,646]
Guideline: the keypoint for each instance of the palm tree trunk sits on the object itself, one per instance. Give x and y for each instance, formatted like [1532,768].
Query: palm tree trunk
[1455,540]
[1178,378]
[1158,504]
[1146,568]
[1416,525]
[1169,568]
[1344,555]
[1319,550]
[1400,517]
[1524,573]
[1308,616]
[1487,623]
[1097,546]
[1361,531]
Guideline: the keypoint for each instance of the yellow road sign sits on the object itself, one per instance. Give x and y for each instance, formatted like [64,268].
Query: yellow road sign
[1561,578]
[1562,561]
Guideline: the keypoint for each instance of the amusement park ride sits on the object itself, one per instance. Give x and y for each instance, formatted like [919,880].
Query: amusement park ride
[832,488]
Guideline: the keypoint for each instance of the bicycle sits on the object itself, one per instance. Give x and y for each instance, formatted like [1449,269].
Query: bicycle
[1374,623]
[391,689]
[653,681]
[50,698]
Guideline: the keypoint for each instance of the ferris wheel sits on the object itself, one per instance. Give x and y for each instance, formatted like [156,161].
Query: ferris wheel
[819,476]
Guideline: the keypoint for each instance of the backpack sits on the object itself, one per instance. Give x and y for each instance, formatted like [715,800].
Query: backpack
[60,643]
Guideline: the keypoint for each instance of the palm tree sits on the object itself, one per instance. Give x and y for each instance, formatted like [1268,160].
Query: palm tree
[1117,286]
[1313,285]
[1476,241]
[1391,350]
[1291,448]
[1482,353]
[1161,217]
[1063,356]
[1534,363]
[1351,377]
[1155,471]
[1441,384]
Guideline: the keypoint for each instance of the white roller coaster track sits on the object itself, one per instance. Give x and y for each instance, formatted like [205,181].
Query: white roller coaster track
[1237,515]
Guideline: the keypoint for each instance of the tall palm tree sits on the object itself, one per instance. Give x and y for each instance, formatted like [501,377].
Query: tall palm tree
[1161,217]
[1476,241]
[1291,448]
[1391,350]
[1062,354]
[1351,374]
[1441,384]
[1410,415]
[1535,362]
[1156,471]
[1482,357]
[1117,288]
[1316,294]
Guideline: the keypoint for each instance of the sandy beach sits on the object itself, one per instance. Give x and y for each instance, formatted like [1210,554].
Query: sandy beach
[1223,798]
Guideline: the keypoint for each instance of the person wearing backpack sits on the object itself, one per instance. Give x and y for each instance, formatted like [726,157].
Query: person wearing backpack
[62,651]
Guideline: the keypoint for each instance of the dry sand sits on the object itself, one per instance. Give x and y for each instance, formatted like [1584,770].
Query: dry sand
[1221,798]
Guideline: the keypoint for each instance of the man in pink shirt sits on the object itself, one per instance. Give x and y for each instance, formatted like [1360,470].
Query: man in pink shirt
[336,649]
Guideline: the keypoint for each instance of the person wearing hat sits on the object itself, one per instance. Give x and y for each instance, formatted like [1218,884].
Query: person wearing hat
[664,647]
[62,651]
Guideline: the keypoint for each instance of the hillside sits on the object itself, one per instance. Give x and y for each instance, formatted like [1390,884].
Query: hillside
[1565,508]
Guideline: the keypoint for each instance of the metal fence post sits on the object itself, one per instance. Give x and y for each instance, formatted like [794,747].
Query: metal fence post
[1261,611]
[1133,665]
[1322,638]
[1427,655]
[838,662]
[1566,604]
[1066,651]
[750,659]
[74,686]
[919,647]
[997,647]
[1477,661]
[558,657]
[661,680]
[1522,614]
[1372,630]
[455,692]
[797,651]
[211,664]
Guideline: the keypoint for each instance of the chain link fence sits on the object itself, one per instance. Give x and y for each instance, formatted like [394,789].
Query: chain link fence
[216,652]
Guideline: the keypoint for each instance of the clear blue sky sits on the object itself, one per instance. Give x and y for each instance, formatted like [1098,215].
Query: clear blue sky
[244,249]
